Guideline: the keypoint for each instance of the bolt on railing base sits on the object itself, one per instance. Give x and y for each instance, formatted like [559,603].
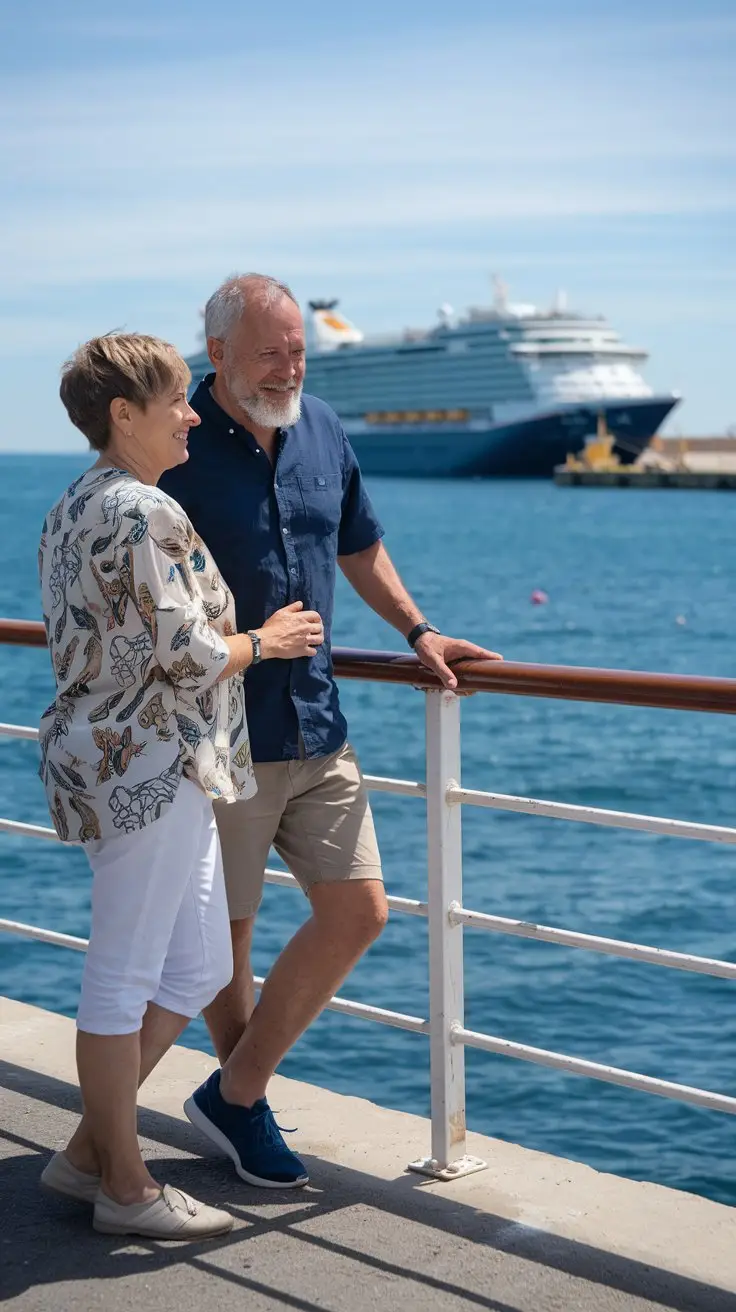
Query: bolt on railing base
[463,1166]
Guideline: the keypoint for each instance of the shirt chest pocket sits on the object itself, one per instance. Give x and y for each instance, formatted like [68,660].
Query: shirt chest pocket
[321,503]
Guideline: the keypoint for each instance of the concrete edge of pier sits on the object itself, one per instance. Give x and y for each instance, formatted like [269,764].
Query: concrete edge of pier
[532,1232]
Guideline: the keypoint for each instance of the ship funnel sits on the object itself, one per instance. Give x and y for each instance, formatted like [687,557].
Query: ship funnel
[327,329]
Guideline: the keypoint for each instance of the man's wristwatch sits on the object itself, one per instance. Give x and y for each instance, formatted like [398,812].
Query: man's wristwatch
[256,645]
[418,630]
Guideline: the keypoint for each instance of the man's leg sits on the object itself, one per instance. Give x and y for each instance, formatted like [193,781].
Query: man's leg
[247,831]
[326,837]
[346,918]
[229,1014]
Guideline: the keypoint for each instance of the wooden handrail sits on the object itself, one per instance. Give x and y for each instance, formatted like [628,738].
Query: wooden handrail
[681,692]
[23,633]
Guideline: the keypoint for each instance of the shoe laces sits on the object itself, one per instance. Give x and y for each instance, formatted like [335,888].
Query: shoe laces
[172,1202]
[270,1130]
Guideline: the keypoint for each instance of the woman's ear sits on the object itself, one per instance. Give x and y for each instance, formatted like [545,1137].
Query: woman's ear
[120,414]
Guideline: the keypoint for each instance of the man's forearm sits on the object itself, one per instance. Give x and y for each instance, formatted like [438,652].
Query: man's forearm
[377,581]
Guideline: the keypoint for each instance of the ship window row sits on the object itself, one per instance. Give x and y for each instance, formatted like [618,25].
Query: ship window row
[430,384]
[575,345]
[447,360]
[366,360]
[429,398]
[416,416]
[438,398]
[495,378]
[496,359]
[393,377]
[565,364]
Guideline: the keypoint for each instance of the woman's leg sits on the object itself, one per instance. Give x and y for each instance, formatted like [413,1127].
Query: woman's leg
[108,1068]
[160,1029]
[199,962]
[140,882]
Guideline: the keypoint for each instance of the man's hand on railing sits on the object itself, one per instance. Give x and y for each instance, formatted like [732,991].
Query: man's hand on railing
[437,651]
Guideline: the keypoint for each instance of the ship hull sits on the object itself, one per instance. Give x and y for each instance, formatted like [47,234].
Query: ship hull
[524,448]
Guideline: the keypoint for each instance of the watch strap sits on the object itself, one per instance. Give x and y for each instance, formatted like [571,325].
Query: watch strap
[256,645]
[418,630]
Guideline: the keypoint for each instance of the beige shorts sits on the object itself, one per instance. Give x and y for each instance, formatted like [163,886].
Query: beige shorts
[316,815]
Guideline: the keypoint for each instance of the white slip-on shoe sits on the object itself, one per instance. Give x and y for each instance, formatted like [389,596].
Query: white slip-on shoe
[173,1215]
[60,1177]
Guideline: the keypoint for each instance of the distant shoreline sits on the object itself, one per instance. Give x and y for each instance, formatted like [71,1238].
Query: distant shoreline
[26,455]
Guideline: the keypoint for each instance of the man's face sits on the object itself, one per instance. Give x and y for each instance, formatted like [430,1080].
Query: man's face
[263,363]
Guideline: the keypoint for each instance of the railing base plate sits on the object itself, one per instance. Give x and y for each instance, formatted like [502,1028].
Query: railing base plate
[453,1170]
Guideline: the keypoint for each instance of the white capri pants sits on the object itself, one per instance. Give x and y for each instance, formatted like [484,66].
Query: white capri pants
[160,925]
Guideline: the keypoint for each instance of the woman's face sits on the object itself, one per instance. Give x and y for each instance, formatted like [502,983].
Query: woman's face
[157,436]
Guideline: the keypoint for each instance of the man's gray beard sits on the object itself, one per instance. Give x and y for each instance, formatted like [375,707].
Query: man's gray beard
[272,414]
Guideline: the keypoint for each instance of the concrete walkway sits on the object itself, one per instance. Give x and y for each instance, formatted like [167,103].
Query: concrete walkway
[531,1234]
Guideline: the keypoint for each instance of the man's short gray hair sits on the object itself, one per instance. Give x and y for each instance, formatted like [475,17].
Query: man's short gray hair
[236,295]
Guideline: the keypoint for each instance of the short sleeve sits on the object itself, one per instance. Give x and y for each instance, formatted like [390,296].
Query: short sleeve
[153,565]
[360,527]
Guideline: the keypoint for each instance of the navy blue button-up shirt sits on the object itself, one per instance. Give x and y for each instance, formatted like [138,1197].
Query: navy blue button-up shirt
[275,532]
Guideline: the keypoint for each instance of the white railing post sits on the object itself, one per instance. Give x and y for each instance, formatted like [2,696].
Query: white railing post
[446,985]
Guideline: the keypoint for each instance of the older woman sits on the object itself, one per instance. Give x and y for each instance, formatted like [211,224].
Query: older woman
[147,727]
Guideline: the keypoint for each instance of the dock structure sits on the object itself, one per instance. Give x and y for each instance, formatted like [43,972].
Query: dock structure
[708,463]
[533,1233]
[649,477]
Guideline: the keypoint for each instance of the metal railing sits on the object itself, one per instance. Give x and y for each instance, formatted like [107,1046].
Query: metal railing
[444,908]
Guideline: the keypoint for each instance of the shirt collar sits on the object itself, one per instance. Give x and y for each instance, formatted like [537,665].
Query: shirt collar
[207,408]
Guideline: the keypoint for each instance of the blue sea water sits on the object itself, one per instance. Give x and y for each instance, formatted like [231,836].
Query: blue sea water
[637,580]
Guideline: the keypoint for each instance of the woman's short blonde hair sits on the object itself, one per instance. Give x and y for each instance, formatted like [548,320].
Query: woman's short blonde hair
[128,365]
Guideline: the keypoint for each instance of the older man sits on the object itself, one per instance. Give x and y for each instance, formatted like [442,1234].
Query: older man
[275,491]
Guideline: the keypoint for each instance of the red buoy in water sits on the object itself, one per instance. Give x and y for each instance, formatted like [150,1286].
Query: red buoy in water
[539,598]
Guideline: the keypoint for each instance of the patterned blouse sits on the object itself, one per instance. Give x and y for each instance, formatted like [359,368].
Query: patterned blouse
[135,614]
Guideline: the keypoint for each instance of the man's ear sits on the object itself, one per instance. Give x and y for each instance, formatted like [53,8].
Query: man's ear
[216,351]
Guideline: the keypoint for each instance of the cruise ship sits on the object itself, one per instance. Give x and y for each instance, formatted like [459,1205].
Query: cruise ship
[505,390]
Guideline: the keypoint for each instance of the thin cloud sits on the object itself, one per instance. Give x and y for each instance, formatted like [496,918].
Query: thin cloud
[99,245]
[392,170]
[151,175]
[443,105]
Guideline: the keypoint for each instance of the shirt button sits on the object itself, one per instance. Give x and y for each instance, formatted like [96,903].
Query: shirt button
[285,532]
[258,450]
[293,570]
[231,430]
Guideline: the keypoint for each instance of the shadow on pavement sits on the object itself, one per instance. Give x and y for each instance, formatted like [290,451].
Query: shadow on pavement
[350,1240]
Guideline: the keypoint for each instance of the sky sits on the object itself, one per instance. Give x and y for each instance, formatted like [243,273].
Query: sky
[394,155]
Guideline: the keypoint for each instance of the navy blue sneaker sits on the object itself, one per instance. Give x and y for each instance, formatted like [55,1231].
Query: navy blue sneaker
[249,1135]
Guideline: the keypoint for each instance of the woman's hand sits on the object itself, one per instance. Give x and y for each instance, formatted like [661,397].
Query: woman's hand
[291,632]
